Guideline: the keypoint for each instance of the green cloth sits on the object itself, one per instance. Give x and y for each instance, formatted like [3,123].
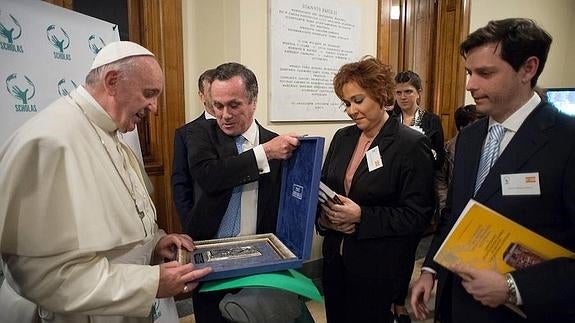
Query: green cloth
[289,280]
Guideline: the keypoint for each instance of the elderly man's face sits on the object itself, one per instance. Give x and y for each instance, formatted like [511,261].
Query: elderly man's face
[234,112]
[137,92]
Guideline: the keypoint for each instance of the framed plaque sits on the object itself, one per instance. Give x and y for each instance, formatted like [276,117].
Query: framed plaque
[291,244]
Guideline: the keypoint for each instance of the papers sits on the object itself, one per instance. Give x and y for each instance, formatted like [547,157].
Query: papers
[327,194]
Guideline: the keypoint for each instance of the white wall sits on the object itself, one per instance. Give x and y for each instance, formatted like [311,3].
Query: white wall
[219,31]
[555,16]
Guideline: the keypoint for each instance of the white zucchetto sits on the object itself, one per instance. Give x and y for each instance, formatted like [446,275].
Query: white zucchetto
[116,51]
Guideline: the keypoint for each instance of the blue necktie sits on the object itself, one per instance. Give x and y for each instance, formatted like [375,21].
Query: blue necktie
[230,226]
[490,153]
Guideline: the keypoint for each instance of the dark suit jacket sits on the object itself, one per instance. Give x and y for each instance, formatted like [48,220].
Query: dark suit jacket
[217,168]
[182,182]
[396,200]
[543,144]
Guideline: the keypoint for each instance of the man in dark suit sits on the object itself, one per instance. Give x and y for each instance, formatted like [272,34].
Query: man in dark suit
[182,183]
[230,156]
[504,60]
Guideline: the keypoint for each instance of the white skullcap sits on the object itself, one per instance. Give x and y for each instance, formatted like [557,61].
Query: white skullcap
[116,51]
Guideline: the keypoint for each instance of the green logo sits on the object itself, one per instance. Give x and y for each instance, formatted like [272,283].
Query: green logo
[22,90]
[10,30]
[96,43]
[59,38]
[64,87]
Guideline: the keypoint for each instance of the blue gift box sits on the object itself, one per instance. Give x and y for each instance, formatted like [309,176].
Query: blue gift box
[291,245]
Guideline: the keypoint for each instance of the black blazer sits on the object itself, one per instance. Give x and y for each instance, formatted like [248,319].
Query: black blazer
[396,200]
[182,182]
[543,144]
[217,168]
[431,125]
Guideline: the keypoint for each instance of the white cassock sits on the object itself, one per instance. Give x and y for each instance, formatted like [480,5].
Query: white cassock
[77,225]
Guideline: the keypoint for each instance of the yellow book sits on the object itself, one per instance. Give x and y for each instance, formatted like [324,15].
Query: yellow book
[485,239]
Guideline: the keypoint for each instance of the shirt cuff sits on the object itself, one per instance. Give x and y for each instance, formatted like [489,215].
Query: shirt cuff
[429,270]
[261,159]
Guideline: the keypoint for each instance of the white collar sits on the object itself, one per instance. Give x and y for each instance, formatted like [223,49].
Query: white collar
[95,111]
[208,116]
[251,134]
[514,122]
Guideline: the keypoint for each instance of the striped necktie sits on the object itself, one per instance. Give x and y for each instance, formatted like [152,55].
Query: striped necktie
[489,154]
[230,225]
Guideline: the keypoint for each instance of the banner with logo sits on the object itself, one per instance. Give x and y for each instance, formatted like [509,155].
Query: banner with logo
[45,52]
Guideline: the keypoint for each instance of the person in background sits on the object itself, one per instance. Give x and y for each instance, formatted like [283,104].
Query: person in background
[407,96]
[464,116]
[236,164]
[383,174]
[522,136]
[182,182]
[78,232]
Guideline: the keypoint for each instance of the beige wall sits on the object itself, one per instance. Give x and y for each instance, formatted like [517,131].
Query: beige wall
[555,16]
[219,31]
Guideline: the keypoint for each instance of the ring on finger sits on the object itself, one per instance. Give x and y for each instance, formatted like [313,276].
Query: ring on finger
[185,288]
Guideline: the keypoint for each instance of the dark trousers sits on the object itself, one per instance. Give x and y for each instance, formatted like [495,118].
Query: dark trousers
[402,284]
[206,305]
[350,298]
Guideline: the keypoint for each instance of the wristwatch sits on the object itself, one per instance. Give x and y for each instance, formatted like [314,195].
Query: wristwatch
[511,289]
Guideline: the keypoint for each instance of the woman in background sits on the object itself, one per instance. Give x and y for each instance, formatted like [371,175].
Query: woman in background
[407,96]
[383,175]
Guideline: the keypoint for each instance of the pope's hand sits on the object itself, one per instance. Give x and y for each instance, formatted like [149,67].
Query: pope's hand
[168,244]
[176,279]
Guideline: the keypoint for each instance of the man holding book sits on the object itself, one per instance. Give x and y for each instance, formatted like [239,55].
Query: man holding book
[522,138]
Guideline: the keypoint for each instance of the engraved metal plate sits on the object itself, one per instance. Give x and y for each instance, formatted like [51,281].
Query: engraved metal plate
[232,253]
[240,256]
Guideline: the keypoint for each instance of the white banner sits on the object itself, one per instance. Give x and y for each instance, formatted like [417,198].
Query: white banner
[45,52]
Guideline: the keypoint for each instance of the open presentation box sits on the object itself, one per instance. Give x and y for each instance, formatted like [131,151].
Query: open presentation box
[291,245]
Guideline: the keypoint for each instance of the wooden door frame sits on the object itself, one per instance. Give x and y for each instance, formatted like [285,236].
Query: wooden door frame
[447,73]
[160,30]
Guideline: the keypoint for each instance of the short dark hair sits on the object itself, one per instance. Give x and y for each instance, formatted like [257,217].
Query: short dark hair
[375,77]
[409,77]
[207,75]
[519,39]
[227,71]
[465,115]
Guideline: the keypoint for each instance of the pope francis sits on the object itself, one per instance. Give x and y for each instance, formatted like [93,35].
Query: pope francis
[78,232]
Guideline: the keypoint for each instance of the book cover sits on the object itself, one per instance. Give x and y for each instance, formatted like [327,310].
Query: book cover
[327,194]
[485,239]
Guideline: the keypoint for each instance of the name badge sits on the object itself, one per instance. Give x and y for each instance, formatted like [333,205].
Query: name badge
[520,184]
[373,159]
